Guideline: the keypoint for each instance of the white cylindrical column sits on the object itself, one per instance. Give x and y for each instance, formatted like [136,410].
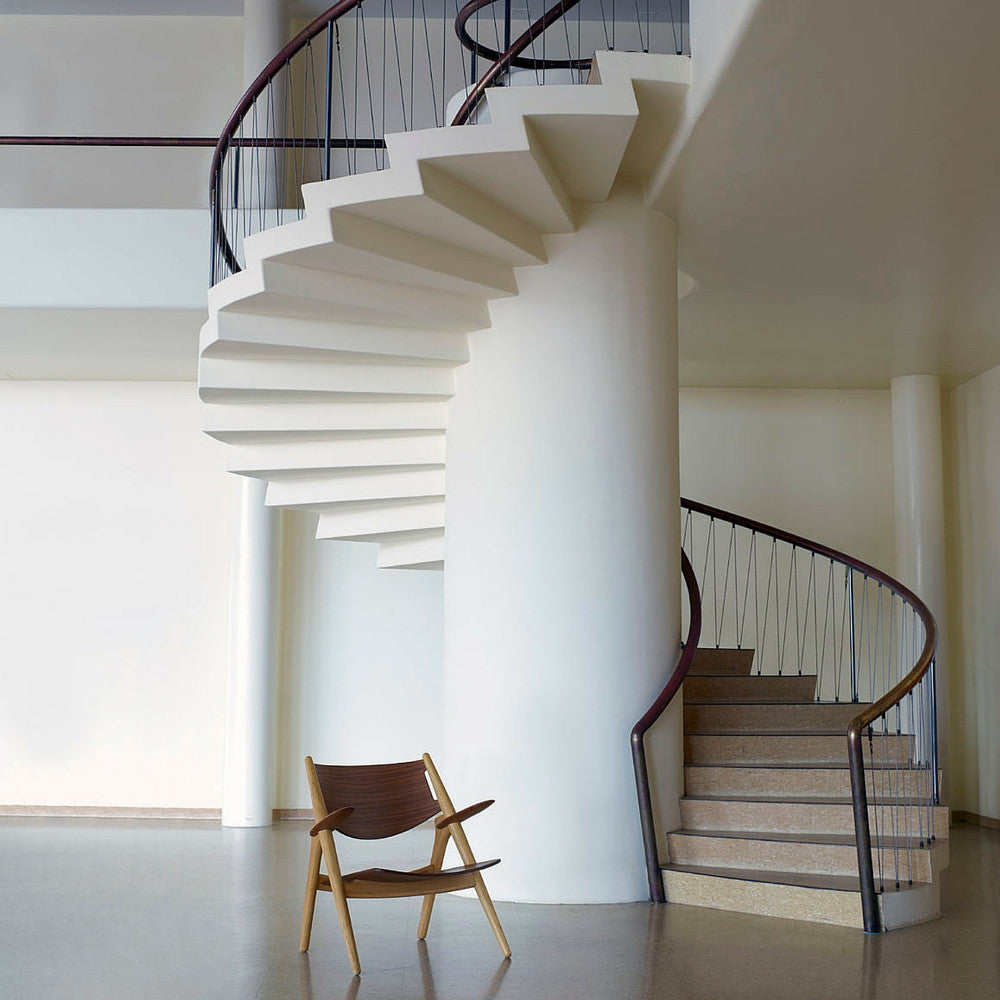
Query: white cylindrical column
[248,769]
[265,31]
[919,508]
[562,585]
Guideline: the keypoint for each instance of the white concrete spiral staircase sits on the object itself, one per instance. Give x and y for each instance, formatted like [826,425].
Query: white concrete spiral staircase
[328,362]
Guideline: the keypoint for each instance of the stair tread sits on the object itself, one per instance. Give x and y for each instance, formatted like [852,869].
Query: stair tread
[807,880]
[829,839]
[821,765]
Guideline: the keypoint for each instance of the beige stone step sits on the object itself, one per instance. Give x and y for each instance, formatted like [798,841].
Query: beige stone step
[770,718]
[767,815]
[804,749]
[749,690]
[721,662]
[821,854]
[789,781]
[831,899]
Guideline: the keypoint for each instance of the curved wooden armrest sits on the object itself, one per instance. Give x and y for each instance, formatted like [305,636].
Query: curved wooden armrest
[331,820]
[463,814]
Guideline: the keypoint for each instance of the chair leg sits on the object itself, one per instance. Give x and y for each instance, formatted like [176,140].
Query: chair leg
[491,915]
[340,899]
[309,906]
[437,858]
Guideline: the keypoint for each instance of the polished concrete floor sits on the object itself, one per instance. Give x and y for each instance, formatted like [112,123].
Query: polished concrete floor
[184,910]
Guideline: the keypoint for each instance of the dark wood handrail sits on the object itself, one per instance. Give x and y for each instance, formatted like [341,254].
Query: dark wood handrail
[474,45]
[260,83]
[506,60]
[855,746]
[654,711]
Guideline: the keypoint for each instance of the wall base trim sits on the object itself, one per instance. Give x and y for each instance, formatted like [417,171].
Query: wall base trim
[134,812]
[110,812]
[960,816]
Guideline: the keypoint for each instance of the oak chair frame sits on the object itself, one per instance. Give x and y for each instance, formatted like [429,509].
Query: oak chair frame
[382,883]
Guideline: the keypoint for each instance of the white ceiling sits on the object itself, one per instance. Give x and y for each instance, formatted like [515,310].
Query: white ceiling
[839,201]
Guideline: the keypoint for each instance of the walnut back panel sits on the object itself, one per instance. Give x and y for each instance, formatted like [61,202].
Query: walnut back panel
[387,798]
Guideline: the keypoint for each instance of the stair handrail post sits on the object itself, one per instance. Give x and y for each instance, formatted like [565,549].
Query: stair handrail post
[688,649]
[859,801]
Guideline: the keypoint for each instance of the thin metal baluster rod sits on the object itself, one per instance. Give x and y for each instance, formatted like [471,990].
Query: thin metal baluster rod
[343,98]
[328,93]
[708,546]
[506,24]
[430,59]
[826,620]
[788,605]
[853,636]
[756,601]
[604,24]
[444,75]
[725,579]
[315,109]
[381,154]
[399,64]
[413,42]
[795,573]
[565,23]
[290,108]
[368,76]
[893,797]
[865,623]
[746,594]
[638,22]
[767,603]
[354,126]
[810,585]
[715,586]
[843,627]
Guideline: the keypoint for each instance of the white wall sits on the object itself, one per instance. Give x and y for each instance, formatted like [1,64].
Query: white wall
[114,554]
[114,76]
[817,462]
[360,660]
[114,533]
[972,475]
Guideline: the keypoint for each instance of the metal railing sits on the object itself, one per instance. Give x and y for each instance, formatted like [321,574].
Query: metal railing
[805,608]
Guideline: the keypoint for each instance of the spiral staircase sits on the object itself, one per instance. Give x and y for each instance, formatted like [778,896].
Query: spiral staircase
[327,366]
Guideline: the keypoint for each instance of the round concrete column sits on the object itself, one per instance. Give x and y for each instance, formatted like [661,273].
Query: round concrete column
[919,508]
[562,585]
[248,768]
[265,31]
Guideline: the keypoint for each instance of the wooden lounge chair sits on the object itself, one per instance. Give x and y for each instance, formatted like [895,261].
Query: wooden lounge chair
[373,801]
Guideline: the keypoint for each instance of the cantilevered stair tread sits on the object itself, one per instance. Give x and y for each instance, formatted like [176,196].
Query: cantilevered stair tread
[833,839]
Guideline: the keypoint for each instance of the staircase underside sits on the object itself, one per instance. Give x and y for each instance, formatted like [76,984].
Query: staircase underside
[327,364]
[767,821]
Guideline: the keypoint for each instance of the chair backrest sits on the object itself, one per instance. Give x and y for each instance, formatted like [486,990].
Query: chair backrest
[387,798]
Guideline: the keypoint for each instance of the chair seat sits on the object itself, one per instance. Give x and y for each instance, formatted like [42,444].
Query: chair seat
[390,875]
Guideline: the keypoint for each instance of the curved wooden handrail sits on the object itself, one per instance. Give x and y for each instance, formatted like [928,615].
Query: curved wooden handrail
[506,60]
[259,85]
[654,711]
[474,45]
[893,697]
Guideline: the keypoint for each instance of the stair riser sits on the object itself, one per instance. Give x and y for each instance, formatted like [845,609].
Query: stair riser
[790,856]
[721,662]
[749,690]
[795,782]
[769,718]
[803,817]
[794,902]
[750,749]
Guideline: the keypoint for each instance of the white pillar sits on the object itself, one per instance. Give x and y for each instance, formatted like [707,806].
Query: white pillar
[265,32]
[248,768]
[919,508]
[562,585]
